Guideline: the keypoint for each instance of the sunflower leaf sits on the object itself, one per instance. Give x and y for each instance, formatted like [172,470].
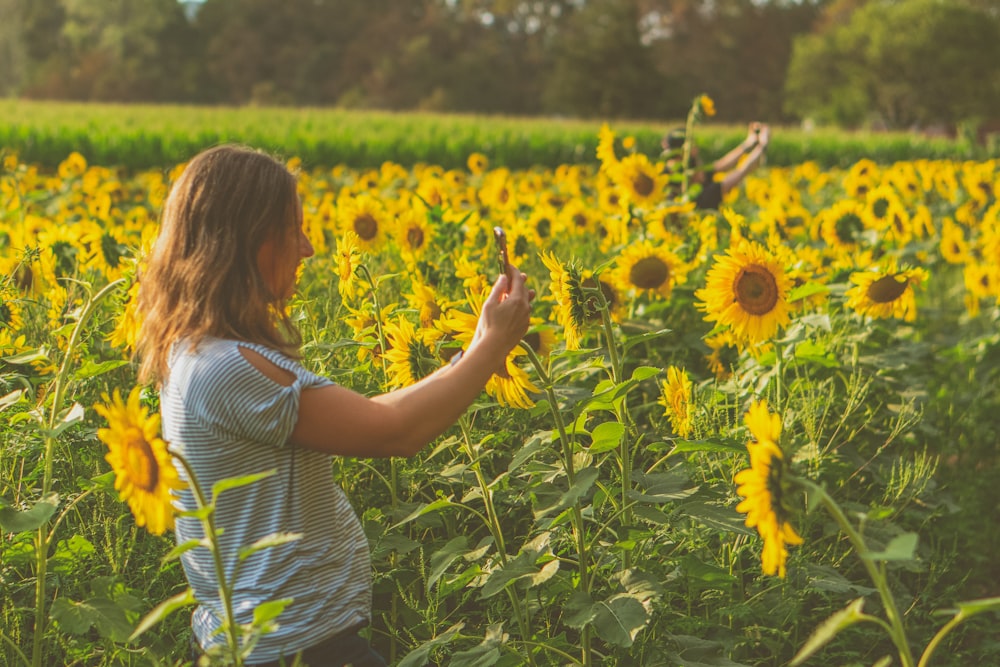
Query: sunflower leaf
[162,610]
[236,482]
[901,547]
[18,521]
[273,540]
[828,629]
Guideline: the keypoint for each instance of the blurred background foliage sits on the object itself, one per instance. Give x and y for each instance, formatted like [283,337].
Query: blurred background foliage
[932,65]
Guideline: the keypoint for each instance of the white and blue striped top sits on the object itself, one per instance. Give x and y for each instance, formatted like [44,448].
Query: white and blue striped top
[229,420]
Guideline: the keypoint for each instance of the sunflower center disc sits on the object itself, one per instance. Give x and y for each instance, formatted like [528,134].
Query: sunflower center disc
[366,226]
[143,469]
[415,238]
[649,273]
[643,184]
[886,289]
[756,290]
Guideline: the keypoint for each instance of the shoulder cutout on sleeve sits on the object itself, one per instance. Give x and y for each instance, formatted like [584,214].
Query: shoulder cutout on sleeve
[268,368]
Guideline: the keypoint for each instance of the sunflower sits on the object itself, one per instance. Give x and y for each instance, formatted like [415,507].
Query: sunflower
[477,163]
[73,166]
[861,177]
[427,301]
[606,148]
[144,472]
[982,281]
[413,232]
[675,397]
[707,105]
[348,260]
[364,216]
[885,291]
[411,354]
[640,181]
[574,311]
[765,489]
[126,331]
[510,385]
[842,224]
[611,294]
[747,290]
[648,269]
[954,247]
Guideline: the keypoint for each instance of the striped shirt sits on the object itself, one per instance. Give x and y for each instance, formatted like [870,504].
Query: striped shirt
[228,420]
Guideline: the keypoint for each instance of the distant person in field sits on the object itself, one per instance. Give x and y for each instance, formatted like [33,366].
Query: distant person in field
[712,190]
[235,400]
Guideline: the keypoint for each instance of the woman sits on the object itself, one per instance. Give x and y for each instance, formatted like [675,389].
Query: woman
[711,191]
[235,401]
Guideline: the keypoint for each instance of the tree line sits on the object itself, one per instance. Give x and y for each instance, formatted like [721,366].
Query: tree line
[894,63]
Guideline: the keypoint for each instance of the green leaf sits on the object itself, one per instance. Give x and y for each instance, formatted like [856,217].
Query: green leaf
[585,479]
[579,610]
[108,616]
[89,368]
[266,612]
[18,521]
[27,357]
[661,487]
[972,607]
[273,540]
[902,547]
[237,482]
[724,446]
[181,548]
[606,436]
[829,629]
[70,553]
[816,353]
[68,417]
[418,656]
[485,654]
[619,619]
[806,290]
[11,399]
[645,372]
[162,610]
[720,517]
[632,341]
[426,508]
[445,556]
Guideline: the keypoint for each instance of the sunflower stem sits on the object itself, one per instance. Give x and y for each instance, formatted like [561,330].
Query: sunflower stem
[896,630]
[567,451]
[43,537]
[211,535]
[495,528]
[624,447]
[393,463]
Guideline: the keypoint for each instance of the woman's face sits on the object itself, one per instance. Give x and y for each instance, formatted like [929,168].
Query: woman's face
[278,259]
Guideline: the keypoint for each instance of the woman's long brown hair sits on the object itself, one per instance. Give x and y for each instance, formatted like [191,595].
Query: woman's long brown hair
[202,278]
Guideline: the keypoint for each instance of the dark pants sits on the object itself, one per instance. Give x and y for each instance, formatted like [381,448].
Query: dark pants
[345,649]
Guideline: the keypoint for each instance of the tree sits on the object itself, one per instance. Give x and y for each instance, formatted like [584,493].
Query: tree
[601,66]
[904,63]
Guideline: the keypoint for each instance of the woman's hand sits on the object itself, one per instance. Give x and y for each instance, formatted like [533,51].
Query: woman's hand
[506,314]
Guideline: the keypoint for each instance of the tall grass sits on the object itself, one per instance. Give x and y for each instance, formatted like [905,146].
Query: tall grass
[145,136]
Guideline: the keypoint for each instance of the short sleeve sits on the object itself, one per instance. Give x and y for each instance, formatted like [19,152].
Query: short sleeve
[229,395]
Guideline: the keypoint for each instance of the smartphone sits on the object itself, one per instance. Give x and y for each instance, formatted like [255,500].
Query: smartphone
[500,237]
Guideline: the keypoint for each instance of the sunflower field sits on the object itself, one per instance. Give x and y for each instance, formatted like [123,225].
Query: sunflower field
[764,435]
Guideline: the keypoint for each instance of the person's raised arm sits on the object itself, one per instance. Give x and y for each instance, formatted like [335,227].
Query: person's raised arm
[733,178]
[339,421]
[732,158]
